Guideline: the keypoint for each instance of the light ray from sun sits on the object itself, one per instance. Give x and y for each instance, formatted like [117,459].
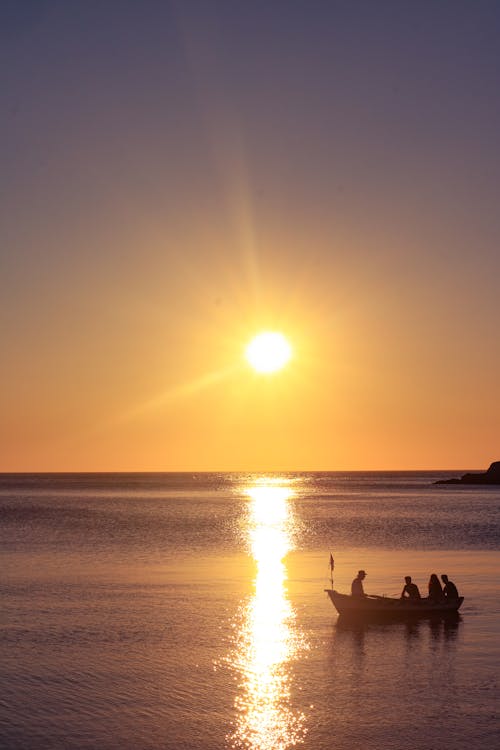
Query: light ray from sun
[166,397]
[182,391]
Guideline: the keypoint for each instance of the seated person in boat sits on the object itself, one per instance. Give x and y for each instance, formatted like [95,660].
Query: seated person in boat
[449,590]
[435,590]
[357,584]
[410,591]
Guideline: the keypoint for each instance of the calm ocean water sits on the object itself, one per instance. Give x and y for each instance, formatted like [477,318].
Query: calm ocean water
[187,611]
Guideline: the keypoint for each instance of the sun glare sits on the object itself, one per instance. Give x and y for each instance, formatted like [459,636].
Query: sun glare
[268,352]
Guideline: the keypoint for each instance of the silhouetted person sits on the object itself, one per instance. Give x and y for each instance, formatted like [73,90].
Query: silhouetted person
[449,590]
[410,591]
[435,590]
[357,584]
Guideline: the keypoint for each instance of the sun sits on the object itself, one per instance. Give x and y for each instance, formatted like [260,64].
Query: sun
[268,352]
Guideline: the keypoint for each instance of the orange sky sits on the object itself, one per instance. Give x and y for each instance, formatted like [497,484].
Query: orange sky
[164,202]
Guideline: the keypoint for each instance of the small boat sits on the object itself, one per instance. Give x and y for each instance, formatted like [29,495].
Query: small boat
[364,607]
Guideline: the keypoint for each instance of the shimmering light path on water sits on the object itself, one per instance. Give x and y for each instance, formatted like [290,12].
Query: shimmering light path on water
[267,640]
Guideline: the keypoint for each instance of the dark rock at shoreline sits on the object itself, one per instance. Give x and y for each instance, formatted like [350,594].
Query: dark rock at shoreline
[492,476]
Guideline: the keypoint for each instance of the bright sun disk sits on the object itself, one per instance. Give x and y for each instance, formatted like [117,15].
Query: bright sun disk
[268,352]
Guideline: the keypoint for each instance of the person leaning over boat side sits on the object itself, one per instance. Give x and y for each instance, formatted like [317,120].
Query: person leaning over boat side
[449,590]
[410,590]
[357,584]
[435,590]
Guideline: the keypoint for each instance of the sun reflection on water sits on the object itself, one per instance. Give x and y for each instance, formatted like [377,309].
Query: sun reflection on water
[267,641]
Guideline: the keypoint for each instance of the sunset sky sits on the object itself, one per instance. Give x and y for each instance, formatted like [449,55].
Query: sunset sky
[178,176]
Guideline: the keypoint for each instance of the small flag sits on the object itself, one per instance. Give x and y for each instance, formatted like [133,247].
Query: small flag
[332,563]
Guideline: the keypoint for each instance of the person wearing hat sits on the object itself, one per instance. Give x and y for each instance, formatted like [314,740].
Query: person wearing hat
[357,584]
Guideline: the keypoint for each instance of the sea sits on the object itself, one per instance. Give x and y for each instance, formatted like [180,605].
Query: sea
[188,612]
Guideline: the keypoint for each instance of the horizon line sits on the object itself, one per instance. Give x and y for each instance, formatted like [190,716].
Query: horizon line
[232,471]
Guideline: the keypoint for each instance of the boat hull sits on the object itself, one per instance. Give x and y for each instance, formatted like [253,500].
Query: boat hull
[389,608]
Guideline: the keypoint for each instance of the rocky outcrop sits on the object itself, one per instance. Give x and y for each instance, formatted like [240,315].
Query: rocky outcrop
[492,476]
